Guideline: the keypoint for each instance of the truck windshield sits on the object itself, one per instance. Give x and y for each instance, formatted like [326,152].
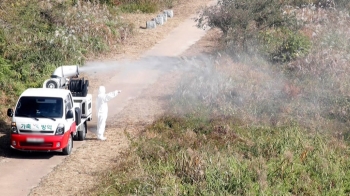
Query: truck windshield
[39,107]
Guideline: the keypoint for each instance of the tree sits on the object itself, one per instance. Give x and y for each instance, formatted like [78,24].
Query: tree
[241,21]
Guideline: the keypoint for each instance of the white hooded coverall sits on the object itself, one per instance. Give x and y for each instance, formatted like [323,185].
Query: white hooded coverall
[102,109]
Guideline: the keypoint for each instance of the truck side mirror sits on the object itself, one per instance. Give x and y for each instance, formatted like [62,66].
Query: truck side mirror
[9,112]
[69,114]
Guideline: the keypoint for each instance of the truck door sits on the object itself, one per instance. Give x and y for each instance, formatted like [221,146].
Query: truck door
[69,106]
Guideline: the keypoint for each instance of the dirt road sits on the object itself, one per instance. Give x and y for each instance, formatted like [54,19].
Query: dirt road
[147,77]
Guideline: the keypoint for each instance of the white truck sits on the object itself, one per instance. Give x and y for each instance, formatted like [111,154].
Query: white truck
[49,118]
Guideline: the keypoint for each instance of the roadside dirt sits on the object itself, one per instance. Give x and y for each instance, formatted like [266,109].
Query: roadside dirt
[133,45]
[82,170]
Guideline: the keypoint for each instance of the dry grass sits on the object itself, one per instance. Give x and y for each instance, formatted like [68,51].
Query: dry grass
[204,157]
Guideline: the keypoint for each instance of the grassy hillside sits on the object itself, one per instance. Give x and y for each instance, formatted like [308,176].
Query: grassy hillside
[37,36]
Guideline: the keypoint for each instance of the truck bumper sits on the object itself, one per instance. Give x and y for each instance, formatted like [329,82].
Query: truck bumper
[39,142]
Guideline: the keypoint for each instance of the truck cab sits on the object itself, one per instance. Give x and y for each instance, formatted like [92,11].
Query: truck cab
[43,119]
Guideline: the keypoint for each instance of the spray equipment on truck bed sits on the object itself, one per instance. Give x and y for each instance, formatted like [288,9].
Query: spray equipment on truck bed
[65,77]
[60,77]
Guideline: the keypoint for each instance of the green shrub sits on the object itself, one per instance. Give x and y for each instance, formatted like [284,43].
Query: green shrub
[282,45]
[9,78]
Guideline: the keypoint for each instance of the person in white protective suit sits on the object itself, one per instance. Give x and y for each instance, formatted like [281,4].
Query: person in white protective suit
[102,109]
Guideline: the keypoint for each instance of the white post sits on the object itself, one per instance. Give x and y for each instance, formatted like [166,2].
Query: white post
[151,24]
[170,13]
[159,20]
[165,16]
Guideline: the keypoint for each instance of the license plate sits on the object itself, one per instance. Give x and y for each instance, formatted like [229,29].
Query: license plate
[35,140]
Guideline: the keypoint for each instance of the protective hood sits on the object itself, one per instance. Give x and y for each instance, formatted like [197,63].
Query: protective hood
[101,90]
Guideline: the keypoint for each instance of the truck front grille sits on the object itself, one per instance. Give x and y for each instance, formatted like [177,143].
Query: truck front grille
[30,131]
[45,144]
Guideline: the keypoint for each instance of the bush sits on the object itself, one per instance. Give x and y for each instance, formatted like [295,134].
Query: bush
[9,78]
[283,45]
[242,21]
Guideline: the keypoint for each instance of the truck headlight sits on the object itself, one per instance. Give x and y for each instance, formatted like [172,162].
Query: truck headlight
[14,129]
[60,129]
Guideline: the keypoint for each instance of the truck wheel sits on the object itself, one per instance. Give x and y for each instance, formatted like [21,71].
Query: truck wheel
[75,137]
[76,86]
[51,84]
[68,149]
[85,88]
[82,132]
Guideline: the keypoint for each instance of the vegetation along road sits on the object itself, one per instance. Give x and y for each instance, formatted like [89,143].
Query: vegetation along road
[256,104]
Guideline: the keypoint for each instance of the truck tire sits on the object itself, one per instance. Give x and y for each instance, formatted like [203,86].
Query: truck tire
[51,84]
[82,132]
[85,88]
[79,87]
[68,149]
[76,87]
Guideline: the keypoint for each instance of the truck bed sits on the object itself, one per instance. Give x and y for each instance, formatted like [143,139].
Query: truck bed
[85,105]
